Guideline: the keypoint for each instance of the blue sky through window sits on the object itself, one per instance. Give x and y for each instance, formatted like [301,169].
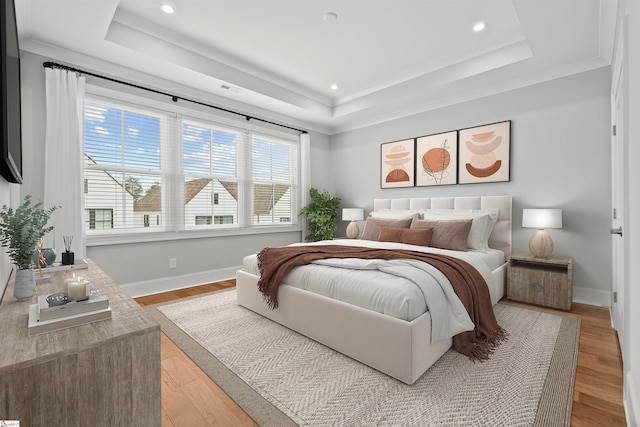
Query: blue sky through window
[114,137]
[209,151]
[271,161]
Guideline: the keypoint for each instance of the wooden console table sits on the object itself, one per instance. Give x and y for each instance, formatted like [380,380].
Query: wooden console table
[105,373]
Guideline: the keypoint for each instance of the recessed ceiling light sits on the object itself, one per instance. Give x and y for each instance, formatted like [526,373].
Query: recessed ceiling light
[330,17]
[334,87]
[479,27]
[167,8]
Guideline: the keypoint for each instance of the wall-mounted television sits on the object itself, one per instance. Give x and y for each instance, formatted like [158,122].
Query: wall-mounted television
[10,120]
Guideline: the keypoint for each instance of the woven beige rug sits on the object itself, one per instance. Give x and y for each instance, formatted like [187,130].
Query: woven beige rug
[282,378]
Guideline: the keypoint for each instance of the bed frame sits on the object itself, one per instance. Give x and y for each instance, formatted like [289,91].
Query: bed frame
[396,347]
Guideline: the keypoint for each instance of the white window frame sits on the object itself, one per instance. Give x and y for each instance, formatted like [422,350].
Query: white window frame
[176,229]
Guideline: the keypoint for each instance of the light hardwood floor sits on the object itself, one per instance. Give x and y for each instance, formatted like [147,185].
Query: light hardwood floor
[190,398]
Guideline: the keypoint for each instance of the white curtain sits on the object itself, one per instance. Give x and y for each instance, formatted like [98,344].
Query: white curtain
[305,176]
[64,171]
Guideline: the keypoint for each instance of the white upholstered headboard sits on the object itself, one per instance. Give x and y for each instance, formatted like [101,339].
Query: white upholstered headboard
[501,236]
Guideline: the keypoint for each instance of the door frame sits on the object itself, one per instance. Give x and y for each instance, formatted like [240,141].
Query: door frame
[619,192]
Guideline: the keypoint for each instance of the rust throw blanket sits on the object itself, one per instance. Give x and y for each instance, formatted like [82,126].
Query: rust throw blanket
[467,282]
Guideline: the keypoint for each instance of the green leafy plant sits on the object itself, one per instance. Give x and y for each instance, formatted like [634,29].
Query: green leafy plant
[21,229]
[322,213]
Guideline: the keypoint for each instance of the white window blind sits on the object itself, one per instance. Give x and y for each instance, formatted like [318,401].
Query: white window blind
[123,175]
[210,170]
[153,170]
[273,180]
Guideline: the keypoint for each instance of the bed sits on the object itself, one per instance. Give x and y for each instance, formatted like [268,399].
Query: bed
[400,348]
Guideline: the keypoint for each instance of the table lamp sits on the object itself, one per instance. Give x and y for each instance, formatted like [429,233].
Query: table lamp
[353,215]
[541,244]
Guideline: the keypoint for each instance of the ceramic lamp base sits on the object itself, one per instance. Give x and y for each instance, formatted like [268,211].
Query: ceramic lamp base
[353,231]
[541,244]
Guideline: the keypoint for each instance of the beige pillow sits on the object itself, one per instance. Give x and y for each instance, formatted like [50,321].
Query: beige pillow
[484,220]
[447,234]
[410,236]
[372,226]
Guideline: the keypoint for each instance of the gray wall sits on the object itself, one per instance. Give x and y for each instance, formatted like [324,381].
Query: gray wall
[5,262]
[560,158]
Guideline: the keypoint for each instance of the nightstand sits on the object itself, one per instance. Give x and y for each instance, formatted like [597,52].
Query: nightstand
[541,281]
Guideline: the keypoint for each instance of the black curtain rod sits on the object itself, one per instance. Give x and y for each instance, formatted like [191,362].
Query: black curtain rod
[175,98]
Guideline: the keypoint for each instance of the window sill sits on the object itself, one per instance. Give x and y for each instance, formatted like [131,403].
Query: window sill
[162,236]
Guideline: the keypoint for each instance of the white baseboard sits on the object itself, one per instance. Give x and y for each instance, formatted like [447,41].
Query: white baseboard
[171,283]
[592,296]
[631,398]
[149,287]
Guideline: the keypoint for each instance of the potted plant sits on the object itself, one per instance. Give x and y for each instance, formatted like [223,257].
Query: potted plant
[20,231]
[322,213]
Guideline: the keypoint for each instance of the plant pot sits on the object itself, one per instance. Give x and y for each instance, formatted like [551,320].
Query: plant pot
[25,284]
[49,257]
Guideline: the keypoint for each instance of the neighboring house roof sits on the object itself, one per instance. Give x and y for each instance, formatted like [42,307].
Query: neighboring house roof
[151,202]
[108,174]
[265,197]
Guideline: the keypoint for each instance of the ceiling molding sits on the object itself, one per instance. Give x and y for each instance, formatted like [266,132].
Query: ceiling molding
[134,41]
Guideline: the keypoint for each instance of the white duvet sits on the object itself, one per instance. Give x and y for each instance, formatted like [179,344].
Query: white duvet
[404,289]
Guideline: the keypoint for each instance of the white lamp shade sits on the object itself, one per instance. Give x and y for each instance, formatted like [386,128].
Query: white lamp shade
[352,214]
[542,218]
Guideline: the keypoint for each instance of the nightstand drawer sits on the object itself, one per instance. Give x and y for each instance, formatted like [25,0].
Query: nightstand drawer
[526,292]
[548,278]
[547,282]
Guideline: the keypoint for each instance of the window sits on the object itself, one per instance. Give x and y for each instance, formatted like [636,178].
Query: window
[133,173]
[98,219]
[122,162]
[203,220]
[223,219]
[210,170]
[273,180]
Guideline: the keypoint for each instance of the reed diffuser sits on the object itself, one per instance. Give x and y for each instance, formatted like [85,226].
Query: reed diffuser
[67,255]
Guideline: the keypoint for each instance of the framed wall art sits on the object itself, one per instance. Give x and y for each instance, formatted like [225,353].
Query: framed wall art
[484,153]
[437,159]
[397,164]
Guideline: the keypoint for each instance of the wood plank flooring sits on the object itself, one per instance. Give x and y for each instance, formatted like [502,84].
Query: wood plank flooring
[190,398]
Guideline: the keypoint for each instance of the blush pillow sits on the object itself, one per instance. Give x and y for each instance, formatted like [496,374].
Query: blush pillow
[372,226]
[410,236]
[447,234]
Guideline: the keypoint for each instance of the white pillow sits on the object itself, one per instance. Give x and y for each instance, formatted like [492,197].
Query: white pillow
[493,219]
[394,214]
[481,228]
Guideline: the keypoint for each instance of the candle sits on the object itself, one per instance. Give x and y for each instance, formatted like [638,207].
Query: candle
[69,280]
[77,289]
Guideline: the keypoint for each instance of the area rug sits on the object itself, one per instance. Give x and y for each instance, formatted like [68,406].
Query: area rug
[282,378]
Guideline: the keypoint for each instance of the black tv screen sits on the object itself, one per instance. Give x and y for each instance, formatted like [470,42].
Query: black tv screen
[10,120]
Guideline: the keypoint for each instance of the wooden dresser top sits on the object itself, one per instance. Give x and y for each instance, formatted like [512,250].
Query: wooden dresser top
[18,348]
